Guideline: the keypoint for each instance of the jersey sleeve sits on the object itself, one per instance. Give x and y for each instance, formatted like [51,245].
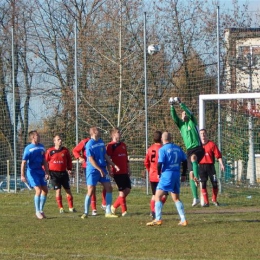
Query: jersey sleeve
[175,117]
[78,149]
[216,152]
[147,161]
[69,161]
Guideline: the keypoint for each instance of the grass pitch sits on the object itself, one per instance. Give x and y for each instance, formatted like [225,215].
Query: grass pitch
[230,231]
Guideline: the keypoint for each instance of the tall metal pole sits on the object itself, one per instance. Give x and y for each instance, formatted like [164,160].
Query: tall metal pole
[120,69]
[76,99]
[14,114]
[219,111]
[145,98]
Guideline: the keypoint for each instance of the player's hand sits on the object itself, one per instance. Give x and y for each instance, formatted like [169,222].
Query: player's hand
[23,179]
[117,168]
[177,100]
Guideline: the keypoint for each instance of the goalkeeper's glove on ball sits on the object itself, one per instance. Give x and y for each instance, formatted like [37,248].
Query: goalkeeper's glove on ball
[177,100]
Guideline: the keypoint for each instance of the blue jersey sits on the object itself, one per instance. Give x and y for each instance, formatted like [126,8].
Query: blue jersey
[97,150]
[34,155]
[171,156]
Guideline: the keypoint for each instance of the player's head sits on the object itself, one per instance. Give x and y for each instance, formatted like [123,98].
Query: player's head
[115,134]
[34,136]
[157,136]
[57,141]
[94,132]
[166,137]
[184,116]
[203,135]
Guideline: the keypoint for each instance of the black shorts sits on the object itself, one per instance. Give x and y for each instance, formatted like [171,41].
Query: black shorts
[198,151]
[207,171]
[153,186]
[60,179]
[122,181]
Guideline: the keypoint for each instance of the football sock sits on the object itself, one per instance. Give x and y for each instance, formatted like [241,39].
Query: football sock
[205,196]
[123,204]
[117,202]
[59,201]
[87,204]
[214,194]
[195,169]
[94,202]
[108,202]
[194,190]
[103,197]
[180,209]
[43,199]
[158,210]
[37,203]
[70,201]
[164,198]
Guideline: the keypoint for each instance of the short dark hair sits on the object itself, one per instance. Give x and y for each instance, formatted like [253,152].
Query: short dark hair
[157,136]
[203,129]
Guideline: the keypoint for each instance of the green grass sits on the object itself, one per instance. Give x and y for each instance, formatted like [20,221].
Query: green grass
[230,231]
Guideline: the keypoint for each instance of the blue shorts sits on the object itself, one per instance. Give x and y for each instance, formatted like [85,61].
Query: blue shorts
[169,182]
[36,178]
[93,177]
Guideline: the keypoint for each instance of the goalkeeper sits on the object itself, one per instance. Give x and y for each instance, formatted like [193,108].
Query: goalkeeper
[195,152]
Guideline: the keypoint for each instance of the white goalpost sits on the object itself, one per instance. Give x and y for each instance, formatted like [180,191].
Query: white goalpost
[251,163]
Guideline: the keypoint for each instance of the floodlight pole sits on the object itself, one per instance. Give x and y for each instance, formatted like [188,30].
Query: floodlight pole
[145,100]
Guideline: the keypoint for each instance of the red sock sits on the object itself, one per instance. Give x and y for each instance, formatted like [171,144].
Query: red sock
[93,202]
[70,201]
[117,203]
[214,194]
[104,197]
[205,196]
[164,198]
[59,201]
[152,205]
[123,204]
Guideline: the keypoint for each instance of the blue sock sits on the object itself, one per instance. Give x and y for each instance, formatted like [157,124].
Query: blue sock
[37,202]
[43,199]
[87,204]
[108,202]
[158,210]
[180,209]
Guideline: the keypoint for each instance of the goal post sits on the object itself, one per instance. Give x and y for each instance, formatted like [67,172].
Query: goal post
[203,98]
[234,107]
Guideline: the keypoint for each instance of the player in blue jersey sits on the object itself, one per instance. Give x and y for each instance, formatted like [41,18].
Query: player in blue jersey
[170,159]
[34,160]
[96,171]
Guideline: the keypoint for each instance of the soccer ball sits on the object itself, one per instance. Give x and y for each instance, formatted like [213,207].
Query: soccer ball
[153,49]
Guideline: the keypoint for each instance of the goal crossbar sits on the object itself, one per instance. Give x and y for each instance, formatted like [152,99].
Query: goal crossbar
[203,98]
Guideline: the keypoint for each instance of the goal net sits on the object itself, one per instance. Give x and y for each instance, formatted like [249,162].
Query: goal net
[232,121]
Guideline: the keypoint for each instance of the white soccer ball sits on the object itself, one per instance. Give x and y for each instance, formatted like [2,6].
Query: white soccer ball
[153,49]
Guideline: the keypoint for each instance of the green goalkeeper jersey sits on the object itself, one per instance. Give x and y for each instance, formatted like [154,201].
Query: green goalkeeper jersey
[189,131]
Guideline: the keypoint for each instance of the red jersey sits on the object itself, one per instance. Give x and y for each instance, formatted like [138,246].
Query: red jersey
[150,161]
[79,151]
[211,152]
[58,160]
[119,156]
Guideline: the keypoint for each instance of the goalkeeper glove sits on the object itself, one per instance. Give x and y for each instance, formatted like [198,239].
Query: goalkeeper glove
[177,100]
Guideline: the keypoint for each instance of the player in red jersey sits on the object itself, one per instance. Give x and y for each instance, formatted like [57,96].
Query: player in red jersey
[79,153]
[150,163]
[118,153]
[207,168]
[60,166]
